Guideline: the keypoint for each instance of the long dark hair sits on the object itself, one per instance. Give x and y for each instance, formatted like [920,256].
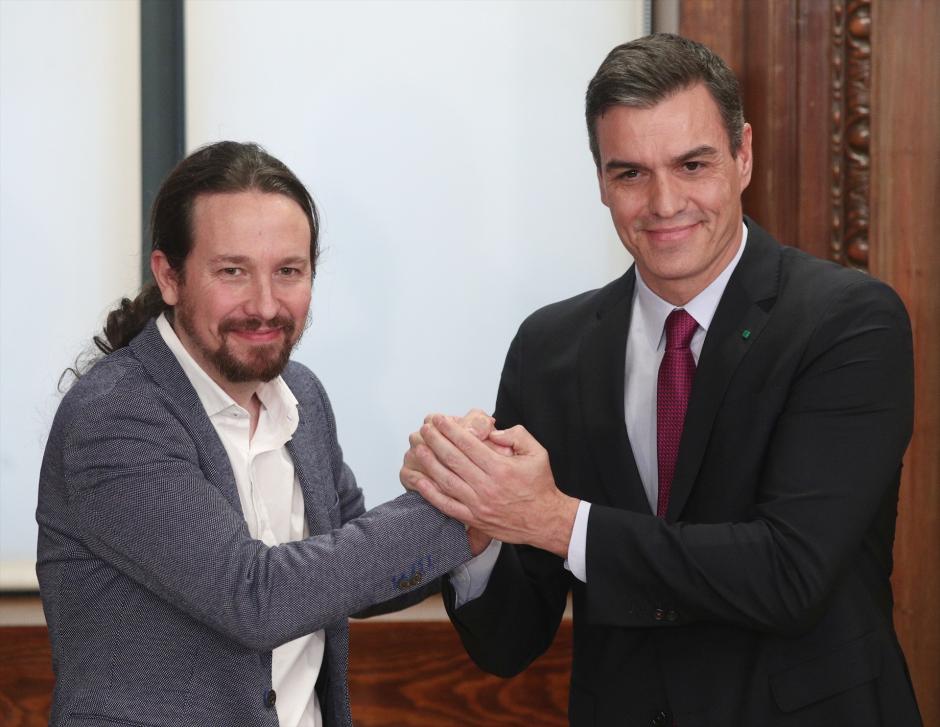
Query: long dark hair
[225,166]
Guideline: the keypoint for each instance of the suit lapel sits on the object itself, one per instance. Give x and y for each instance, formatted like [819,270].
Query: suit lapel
[744,307]
[163,368]
[600,383]
[312,480]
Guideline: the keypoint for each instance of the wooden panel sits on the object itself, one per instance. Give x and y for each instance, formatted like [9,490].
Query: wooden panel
[905,191]
[25,676]
[419,675]
[851,172]
[402,674]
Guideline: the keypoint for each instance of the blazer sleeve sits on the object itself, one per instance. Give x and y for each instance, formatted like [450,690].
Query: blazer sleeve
[832,465]
[137,489]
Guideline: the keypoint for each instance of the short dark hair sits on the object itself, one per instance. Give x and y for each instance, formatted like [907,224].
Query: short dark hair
[225,166]
[647,70]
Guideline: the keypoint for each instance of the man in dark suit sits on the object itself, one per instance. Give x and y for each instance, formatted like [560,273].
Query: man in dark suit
[201,541]
[706,452]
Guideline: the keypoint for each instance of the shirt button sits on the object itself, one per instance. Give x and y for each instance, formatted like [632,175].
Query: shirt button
[270,698]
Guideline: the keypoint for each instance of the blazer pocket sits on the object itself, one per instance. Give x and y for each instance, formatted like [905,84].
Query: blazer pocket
[849,665]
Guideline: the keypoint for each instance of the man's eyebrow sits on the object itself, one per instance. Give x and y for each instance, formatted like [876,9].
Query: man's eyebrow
[244,260]
[235,259]
[298,261]
[700,151]
[704,150]
[617,164]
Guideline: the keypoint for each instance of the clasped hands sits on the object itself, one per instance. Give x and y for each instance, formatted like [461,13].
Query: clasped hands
[496,482]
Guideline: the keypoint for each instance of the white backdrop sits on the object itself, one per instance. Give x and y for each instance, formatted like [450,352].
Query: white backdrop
[443,142]
[69,221]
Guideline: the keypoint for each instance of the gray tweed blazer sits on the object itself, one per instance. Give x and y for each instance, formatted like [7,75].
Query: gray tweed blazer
[162,609]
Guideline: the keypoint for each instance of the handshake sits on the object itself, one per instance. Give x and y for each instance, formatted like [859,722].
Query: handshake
[498,483]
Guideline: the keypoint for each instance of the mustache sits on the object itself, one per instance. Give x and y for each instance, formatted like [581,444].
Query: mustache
[232,325]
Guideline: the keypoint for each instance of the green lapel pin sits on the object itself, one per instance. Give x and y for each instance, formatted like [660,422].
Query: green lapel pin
[745,334]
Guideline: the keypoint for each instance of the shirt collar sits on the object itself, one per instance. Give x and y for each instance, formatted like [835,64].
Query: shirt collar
[275,395]
[702,307]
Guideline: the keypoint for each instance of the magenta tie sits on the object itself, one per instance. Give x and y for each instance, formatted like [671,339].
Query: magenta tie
[676,373]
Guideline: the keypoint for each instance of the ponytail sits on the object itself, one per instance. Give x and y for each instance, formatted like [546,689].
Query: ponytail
[129,318]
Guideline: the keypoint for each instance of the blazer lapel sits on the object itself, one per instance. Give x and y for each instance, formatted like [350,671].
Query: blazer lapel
[600,383]
[741,315]
[163,368]
[313,483]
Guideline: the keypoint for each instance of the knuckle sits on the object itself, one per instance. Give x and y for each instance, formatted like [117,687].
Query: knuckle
[451,461]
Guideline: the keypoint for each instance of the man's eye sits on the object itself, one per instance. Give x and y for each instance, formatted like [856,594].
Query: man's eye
[290,272]
[692,166]
[630,174]
[231,272]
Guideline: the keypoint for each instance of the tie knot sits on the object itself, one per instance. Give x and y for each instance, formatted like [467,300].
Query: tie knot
[680,327]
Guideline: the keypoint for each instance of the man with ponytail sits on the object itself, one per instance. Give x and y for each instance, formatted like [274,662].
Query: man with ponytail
[202,542]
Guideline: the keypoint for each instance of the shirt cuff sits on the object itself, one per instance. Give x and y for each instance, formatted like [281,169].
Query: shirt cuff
[471,578]
[577,546]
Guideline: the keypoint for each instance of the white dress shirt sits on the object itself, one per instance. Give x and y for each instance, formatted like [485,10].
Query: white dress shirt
[646,344]
[273,505]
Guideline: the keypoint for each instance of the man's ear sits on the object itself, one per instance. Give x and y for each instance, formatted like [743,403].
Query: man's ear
[166,277]
[602,186]
[745,157]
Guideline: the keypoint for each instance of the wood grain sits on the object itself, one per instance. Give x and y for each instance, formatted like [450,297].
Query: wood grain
[419,675]
[842,95]
[402,674]
[25,676]
[905,177]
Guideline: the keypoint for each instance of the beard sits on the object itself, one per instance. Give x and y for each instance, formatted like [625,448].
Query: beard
[261,362]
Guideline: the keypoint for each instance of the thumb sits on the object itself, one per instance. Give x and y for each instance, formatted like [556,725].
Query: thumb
[517,438]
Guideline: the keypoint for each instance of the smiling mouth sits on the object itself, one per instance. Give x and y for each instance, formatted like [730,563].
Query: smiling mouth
[670,234]
[259,335]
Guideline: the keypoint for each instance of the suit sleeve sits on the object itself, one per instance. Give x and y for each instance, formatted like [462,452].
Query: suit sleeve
[515,619]
[137,489]
[831,468]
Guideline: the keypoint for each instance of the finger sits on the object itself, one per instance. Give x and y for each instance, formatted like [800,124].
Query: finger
[414,439]
[472,450]
[429,417]
[478,422]
[449,481]
[447,505]
[411,461]
[516,438]
[409,476]
[498,448]
[450,455]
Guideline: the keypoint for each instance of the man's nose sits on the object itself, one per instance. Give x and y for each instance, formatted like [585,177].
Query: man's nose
[666,196]
[262,302]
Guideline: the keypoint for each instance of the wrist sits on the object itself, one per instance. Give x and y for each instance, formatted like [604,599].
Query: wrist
[561,525]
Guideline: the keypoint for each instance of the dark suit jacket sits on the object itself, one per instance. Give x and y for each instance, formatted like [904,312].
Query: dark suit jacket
[162,609]
[763,599]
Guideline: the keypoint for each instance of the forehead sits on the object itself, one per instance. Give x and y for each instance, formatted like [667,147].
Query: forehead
[248,222]
[682,121]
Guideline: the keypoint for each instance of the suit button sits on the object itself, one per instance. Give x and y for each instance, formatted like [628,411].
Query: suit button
[659,720]
[659,614]
[270,698]
[672,615]
[416,579]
